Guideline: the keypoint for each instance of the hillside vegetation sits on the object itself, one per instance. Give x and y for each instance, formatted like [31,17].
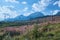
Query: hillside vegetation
[47,32]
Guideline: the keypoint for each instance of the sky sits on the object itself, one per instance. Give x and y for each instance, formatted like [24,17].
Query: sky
[14,8]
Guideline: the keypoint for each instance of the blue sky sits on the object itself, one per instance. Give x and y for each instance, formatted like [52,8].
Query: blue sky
[13,8]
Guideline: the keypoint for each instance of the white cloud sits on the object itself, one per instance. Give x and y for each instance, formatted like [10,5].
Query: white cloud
[57,3]
[41,5]
[25,9]
[9,6]
[12,1]
[28,13]
[1,16]
[55,12]
[24,2]
[5,11]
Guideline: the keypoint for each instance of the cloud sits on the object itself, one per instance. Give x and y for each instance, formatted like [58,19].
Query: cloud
[12,1]
[28,13]
[57,3]
[9,6]
[1,17]
[25,9]
[55,12]
[5,11]
[24,2]
[41,5]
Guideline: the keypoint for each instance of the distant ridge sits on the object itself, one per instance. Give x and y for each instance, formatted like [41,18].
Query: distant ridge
[23,18]
[32,16]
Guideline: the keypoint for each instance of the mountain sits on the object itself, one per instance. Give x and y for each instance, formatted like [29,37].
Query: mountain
[21,17]
[18,18]
[36,14]
[31,16]
[9,19]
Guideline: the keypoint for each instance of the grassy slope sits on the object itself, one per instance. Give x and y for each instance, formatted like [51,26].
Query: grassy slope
[48,32]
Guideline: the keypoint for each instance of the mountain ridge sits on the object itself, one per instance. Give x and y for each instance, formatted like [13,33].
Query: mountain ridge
[23,18]
[30,17]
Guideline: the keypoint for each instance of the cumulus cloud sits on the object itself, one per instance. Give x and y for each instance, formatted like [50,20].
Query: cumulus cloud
[24,2]
[28,13]
[57,3]
[1,16]
[25,9]
[55,12]
[7,12]
[41,5]
[12,1]
[9,6]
